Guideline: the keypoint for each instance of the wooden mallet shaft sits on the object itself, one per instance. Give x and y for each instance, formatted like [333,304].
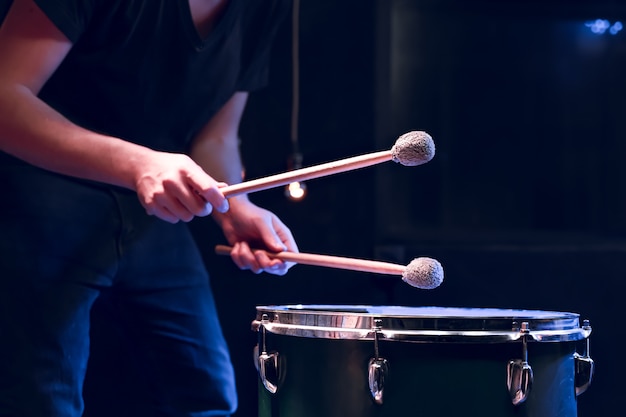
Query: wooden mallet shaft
[304,174]
[329,261]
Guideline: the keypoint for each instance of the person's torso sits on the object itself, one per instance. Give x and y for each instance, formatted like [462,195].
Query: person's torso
[139,69]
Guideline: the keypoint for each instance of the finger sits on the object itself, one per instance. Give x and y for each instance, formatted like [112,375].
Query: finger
[209,190]
[271,265]
[169,203]
[244,258]
[215,197]
[276,238]
[153,208]
[186,201]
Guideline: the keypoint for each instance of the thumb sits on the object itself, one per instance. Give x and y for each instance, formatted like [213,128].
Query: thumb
[272,241]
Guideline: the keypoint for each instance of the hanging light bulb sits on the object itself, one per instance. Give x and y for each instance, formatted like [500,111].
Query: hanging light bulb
[296,190]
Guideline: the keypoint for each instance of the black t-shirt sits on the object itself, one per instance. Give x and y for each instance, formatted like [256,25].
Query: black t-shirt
[139,70]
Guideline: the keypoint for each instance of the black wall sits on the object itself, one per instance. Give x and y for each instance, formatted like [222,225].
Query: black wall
[523,203]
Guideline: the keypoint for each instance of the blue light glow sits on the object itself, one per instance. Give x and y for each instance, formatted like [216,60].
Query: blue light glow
[617,26]
[601,26]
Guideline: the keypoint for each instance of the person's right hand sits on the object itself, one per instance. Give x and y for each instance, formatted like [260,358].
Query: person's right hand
[173,187]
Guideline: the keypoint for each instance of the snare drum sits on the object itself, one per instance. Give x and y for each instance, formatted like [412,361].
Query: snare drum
[383,361]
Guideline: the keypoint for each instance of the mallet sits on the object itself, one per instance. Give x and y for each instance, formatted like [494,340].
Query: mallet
[425,273]
[411,149]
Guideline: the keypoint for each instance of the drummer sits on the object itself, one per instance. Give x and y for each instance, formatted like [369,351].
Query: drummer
[118,125]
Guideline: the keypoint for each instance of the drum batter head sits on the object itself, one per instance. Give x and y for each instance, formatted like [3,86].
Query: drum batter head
[441,324]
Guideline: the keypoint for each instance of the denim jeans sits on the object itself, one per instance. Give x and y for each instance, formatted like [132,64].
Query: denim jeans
[64,244]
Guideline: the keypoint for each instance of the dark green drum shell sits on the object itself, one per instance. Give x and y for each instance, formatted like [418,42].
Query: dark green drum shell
[328,378]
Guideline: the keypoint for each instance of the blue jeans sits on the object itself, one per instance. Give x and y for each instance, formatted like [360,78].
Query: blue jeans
[63,244]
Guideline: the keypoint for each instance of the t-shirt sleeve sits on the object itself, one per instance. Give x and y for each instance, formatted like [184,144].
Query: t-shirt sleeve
[70,16]
[263,27]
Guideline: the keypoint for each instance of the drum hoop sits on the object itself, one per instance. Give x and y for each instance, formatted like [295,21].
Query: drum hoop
[363,322]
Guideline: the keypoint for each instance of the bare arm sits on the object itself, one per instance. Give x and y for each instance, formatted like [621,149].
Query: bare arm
[245,225]
[32,48]
[170,186]
[216,147]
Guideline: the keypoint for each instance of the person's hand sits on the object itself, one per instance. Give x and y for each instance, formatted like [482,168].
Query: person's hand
[248,227]
[173,188]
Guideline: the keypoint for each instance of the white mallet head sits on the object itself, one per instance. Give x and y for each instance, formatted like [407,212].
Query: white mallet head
[425,273]
[413,148]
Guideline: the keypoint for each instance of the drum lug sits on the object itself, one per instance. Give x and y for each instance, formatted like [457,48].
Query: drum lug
[268,370]
[519,372]
[377,373]
[584,366]
[268,365]
[378,368]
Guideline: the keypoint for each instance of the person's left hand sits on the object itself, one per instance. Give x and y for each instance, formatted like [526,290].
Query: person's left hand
[247,227]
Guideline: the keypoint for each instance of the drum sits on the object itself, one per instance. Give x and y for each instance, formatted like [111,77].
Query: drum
[384,361]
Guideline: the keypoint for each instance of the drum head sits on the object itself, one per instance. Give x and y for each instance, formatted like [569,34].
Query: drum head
[419,324]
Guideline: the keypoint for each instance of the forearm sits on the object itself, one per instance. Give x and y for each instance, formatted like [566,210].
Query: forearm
[219,156]
[216,146]
[36,133]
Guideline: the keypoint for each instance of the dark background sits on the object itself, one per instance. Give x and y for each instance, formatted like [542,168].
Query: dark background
[523,203]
